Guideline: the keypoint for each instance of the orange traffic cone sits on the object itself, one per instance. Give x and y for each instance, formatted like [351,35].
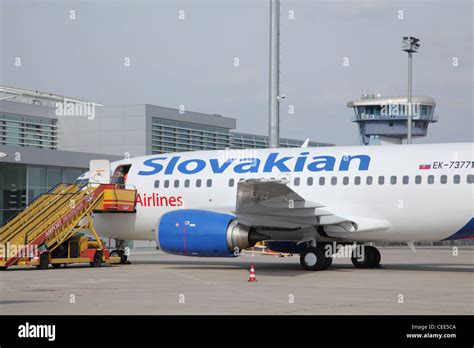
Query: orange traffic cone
[252,274]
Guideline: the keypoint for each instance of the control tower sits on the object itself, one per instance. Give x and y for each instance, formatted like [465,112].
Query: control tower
[383,120]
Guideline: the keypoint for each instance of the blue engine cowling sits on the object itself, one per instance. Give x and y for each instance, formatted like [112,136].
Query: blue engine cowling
[203,233]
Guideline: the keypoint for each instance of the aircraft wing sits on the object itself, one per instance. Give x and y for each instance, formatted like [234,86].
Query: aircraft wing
[271,203]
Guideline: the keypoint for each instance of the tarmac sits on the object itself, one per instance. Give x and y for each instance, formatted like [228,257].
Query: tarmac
[431,281]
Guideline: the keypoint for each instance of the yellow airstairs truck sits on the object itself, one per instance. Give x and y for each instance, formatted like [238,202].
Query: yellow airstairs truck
[47,230]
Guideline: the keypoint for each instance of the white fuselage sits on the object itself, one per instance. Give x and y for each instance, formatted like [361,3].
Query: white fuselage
[429,210]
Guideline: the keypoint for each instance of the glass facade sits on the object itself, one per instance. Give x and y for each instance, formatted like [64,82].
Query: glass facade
[20,184]
[17,130]
[12,190]
[175,136]
[251,141]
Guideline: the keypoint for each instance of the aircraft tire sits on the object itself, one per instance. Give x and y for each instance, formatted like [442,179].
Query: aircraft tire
[328,263]
[121,253]
[377,258]
[313,259]
[371,258]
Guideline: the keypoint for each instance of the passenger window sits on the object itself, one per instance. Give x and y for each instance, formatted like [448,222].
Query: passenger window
[470,178]
[322,180]
[406,180]
[443,179]
[456,179]
[198,183]
[296,182]
[209,182]
[176,183]
[430,179]
[231,182]
[309,181]
[186,183]
[381,180]
[393,180]
[345,180]
[157,183]
[418,179]
[334,180]
[369,180]
[167,183]
[357,180]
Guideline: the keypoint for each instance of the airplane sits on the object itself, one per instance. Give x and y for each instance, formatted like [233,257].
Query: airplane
[298,200]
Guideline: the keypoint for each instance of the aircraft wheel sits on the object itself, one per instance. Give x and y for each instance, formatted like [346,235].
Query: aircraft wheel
[121,253]
[313,259]
[328,263]
[370,257]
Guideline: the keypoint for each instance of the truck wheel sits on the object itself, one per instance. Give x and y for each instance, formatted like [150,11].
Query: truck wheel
[97,259]
[43,261]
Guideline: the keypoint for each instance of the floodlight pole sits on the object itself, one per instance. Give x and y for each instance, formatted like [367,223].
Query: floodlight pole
[410,45]
[409,119]
[274,99]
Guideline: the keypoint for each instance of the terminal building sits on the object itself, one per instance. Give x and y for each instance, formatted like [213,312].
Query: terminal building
[42,145]
[383,120]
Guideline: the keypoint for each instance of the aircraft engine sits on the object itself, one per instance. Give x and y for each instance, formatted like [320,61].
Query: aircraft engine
[204,233]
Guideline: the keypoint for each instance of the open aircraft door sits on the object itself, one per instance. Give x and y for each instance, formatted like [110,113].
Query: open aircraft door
[99,172]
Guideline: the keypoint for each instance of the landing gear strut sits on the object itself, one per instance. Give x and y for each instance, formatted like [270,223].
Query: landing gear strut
[315,259]
[366,256]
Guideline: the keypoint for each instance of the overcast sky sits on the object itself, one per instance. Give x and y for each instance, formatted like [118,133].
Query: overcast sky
[191,61]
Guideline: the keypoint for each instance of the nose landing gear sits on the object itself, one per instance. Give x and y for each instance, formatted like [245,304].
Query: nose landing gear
[121,254]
